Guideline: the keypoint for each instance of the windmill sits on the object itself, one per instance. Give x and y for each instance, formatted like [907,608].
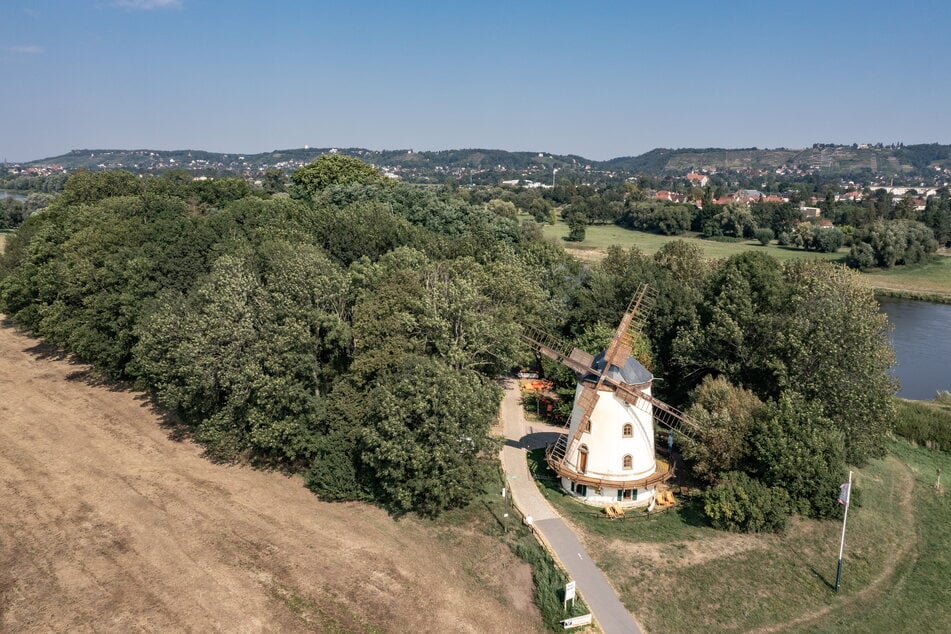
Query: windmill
[608,456]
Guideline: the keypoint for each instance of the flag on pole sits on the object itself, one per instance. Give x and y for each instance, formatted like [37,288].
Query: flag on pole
[844,492]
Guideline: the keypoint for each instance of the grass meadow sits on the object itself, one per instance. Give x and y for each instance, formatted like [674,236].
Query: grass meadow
[677,574]
[932,278]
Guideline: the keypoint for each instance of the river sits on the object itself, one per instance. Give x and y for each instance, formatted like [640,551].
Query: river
[922,339]
[14,195]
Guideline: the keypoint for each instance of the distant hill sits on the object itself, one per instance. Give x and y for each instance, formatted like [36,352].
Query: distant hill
[927,161]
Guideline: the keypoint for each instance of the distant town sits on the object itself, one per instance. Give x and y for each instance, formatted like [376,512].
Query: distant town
[672,173]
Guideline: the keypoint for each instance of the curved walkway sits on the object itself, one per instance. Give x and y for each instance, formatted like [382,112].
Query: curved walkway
[607,609]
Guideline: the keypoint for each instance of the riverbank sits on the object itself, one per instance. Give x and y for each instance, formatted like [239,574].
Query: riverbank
[918,296]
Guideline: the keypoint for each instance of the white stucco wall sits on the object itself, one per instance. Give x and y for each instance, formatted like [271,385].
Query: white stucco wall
[606,443]
[609,496]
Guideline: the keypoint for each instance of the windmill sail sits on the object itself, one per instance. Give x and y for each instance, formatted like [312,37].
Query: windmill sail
[614,373]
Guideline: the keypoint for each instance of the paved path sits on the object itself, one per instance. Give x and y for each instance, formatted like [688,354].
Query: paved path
[607,609]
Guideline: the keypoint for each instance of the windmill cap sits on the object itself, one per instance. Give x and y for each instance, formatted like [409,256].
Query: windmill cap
[633,373]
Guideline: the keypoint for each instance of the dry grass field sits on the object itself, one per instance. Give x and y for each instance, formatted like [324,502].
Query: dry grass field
[108,524]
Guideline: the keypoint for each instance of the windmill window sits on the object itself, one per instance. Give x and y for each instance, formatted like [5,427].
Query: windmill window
[628,431]
[628,461]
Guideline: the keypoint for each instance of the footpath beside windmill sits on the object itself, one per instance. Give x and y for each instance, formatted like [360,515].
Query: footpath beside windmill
[607,456]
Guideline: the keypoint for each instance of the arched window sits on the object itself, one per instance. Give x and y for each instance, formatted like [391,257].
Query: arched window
[628,461]
[628,431]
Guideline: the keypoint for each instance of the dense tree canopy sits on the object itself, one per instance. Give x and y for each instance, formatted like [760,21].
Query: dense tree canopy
[307,334]
[334,169]
[887,243]
[352,331]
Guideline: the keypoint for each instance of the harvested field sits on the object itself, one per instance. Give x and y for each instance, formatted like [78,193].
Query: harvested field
[107,524]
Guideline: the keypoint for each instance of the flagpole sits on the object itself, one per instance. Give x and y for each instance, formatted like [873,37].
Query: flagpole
[845,517]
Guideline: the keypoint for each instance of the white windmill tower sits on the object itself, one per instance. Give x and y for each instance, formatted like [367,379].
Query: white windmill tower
[607,456]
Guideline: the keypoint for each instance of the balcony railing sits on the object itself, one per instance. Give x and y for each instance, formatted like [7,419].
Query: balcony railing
[555,456]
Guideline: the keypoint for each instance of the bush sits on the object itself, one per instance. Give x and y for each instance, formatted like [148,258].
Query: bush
[899,242]
[828,240]
[725,413]
[335,474]
[794,447]
[861,256]
[741,504]
[764,235]
[925,423]
[576,227]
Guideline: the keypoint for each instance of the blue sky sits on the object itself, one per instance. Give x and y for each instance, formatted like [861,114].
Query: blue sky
[600,79]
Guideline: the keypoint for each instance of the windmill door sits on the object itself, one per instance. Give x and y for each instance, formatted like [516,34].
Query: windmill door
[583,459]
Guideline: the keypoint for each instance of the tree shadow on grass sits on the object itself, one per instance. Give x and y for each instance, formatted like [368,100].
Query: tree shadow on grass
[89,375]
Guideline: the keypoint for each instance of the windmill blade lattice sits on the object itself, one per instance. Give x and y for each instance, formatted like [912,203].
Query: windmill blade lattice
[667,415]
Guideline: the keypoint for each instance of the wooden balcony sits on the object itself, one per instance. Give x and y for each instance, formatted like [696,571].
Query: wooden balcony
[555,456]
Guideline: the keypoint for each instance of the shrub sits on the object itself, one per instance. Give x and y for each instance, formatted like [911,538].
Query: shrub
[764,235]
[335,474]
[741,504]
[924,423]
[576,227]
[828,240]
[726,414]
[794,447]
[861,256]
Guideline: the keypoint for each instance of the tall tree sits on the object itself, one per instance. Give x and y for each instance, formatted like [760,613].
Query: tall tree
[334,169]
[426,426]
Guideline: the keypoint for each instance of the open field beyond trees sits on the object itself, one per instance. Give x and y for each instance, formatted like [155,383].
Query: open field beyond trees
[678,575]
[932,278]
[110,524]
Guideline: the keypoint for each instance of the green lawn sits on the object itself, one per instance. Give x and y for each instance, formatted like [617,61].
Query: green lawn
[599,237]
[679,575]
[928,278]
[917,598]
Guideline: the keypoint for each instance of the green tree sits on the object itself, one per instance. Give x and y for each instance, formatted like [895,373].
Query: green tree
[334,169]
[734,330]
[795,448]
[576,227]
[733,219]
[742,504]
[764,235]
[726,415]
[425,428]
[461,312]
[273,181]
[85,187]
[861,256]
[836,351]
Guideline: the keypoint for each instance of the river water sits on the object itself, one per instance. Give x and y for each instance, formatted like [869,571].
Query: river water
[922,339]
[5,194]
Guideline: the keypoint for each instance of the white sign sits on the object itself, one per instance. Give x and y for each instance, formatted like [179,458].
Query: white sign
[570,591]
[577,621]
